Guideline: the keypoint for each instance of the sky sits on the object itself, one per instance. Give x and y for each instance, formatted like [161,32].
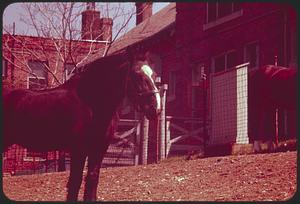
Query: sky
[13,13]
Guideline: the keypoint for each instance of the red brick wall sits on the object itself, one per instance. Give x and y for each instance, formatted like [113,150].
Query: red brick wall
[262,22]
[44,50]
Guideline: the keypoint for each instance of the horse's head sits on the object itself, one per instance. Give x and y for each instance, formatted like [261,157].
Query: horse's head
[142,90]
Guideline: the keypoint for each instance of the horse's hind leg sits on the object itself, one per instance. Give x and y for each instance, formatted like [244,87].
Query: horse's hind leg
[75,178]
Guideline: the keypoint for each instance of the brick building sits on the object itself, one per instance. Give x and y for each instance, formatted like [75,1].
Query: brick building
[39,62]
[185,40]
[215,37]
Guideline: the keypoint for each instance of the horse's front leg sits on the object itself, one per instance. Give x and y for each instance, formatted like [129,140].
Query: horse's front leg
[92,177]
[75,178]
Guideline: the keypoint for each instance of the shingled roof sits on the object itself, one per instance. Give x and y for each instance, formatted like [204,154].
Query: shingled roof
[155,24]
[145,30]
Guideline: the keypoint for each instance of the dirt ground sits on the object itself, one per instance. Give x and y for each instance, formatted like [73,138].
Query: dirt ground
[254,177]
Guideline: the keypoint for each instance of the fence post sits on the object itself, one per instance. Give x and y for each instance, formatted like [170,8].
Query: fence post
[168,136]
[138,143]
[144,141]
[162,123]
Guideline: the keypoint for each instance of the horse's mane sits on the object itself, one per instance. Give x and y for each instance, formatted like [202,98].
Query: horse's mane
[103,64]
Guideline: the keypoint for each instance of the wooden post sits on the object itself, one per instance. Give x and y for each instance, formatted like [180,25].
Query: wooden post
[168,137]
[144,141]
[162,123]
[138,144]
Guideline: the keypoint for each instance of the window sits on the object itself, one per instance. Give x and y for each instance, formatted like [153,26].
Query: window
[4,68]
[231,60]
[224,9]
[211,12]
[219,63]
[216,10]
[38,80]
[172,85]
[69,67]
[251,54]
[197,74]
[225,61]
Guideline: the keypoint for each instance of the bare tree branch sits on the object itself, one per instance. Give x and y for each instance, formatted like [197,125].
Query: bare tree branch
[59,23]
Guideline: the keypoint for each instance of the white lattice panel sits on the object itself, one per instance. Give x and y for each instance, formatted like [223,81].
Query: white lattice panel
[229,107]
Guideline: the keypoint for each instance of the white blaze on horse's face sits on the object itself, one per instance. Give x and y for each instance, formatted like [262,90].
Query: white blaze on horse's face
[149,72]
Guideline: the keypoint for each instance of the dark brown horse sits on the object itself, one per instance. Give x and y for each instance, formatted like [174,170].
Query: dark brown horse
[270,87]
[77,116]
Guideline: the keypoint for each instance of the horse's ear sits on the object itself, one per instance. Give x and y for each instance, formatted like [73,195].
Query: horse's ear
[148,56]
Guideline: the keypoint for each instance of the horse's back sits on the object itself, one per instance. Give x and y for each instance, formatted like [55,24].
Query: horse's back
[274,84]
[43,119]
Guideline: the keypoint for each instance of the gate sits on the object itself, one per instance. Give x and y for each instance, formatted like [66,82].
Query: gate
[125,152]
[229,106]
[184,135]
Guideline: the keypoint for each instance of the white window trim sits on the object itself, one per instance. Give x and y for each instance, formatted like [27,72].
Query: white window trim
[33,77]
[226,56]
[222,20]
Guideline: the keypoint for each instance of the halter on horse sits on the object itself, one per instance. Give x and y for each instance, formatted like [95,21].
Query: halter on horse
[77,115]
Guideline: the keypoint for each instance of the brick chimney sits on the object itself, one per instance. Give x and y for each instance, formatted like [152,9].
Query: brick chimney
[143,11]
[93,27]
[90,22]
[106,28]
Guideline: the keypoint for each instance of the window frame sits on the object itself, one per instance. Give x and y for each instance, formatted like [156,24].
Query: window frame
[31,76]
[37,77]
[257,54]
[235,13]
[225,55]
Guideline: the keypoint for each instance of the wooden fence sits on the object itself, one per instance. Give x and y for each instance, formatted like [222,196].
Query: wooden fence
[184,135]
[18,160]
